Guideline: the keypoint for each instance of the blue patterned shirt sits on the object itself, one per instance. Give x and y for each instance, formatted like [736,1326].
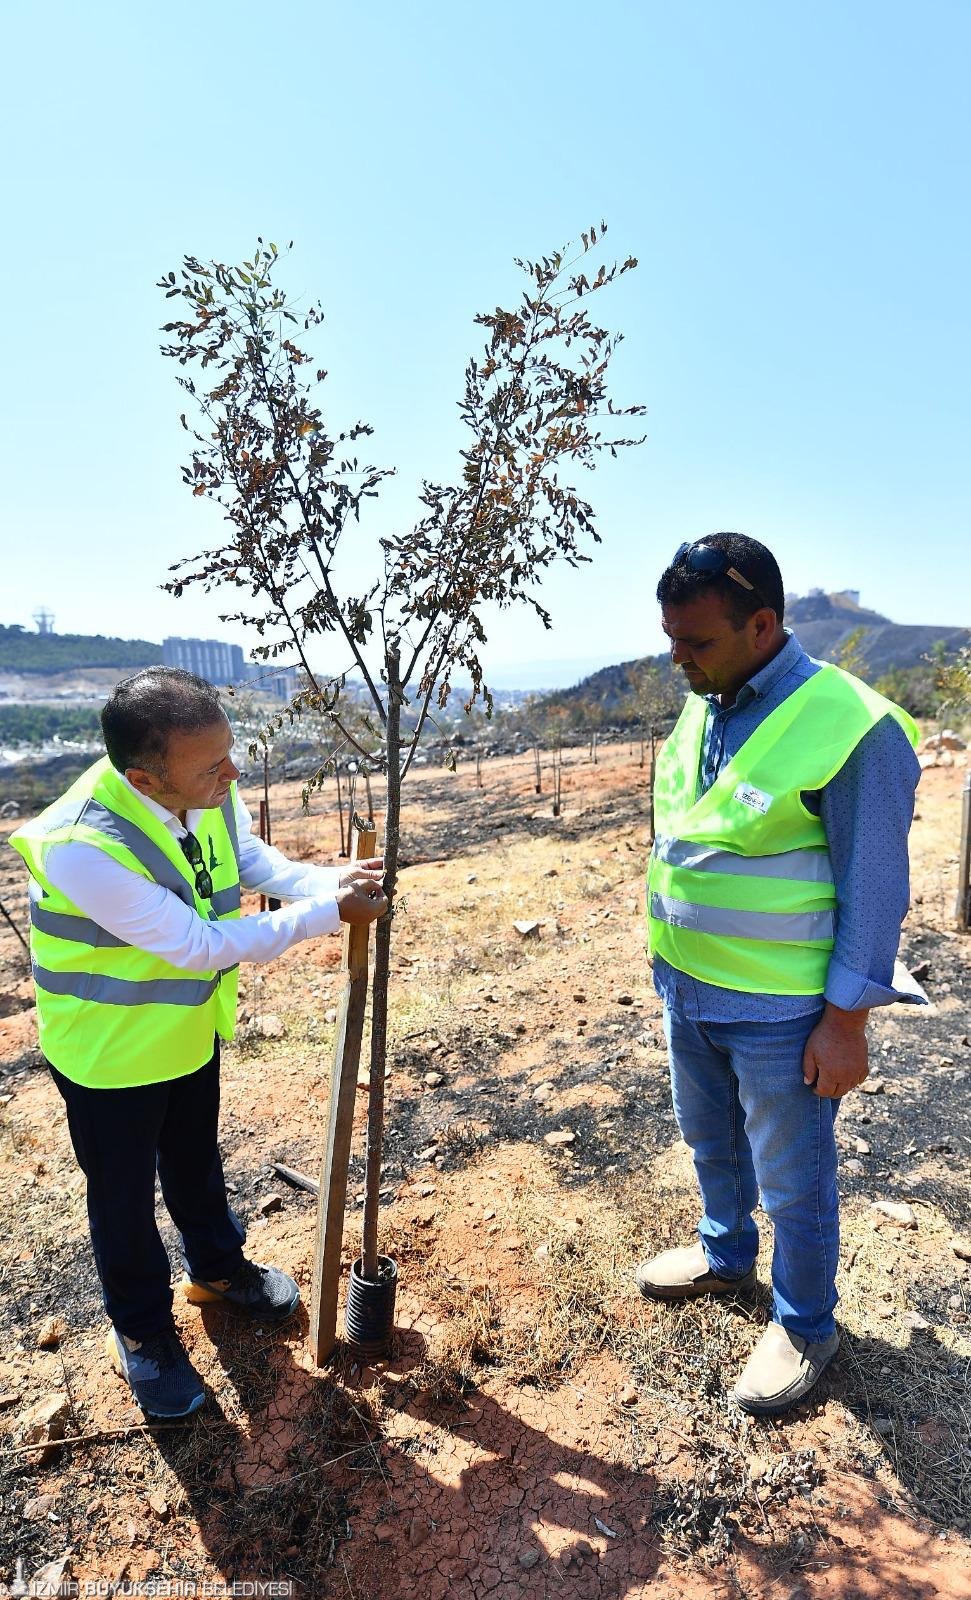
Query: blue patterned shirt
[867,810]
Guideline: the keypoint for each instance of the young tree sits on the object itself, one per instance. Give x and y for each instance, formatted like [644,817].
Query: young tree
[534,406]
[653,699]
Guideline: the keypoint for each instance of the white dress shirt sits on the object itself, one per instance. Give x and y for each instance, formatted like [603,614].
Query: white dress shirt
[152,918]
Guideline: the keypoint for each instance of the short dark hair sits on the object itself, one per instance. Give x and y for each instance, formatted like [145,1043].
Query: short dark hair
[679,583]
[142,711]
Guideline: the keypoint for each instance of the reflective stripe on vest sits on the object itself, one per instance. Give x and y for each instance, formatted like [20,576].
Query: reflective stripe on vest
[789,927]
[126,991]
[801,866]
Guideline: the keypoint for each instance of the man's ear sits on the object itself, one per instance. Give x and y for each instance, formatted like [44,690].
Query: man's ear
[145,782]
[766,626]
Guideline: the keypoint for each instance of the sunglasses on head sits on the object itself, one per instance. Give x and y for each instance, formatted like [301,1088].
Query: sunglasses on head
[704,558]
[192,850]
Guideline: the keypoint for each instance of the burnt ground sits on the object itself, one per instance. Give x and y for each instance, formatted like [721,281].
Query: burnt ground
[538,1429]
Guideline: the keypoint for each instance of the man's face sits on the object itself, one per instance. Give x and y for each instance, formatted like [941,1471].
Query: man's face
[715,657]
[198,770]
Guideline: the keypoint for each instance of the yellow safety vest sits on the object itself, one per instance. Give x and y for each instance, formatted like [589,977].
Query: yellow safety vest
[740,888]
[111,1015]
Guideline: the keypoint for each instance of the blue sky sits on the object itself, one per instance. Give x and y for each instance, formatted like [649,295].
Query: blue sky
[793,180]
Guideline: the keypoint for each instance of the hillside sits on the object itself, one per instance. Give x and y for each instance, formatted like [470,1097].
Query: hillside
[823,624]
[21,651]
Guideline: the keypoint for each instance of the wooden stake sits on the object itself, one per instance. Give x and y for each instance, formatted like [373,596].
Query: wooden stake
[340,1120]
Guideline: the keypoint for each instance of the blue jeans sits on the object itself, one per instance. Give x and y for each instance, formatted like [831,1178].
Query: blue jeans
[753,1126]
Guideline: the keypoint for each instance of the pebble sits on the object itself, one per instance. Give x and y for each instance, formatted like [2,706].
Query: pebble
[160,1506]
[542,1093]
[961,1245]
[432,1080]
[330,1016]
[269,1026]
[914,1320]
[52,1332]
[623,999]
[897,1210]
[560,1136]
[873,1086]
[39,1506]
[269,1203]
[629,1396]
[384,1533]
[527,930]
[426,1189]
[528,1558]
[854,1166]
[541,1253]
[46,1420]
[861,1147]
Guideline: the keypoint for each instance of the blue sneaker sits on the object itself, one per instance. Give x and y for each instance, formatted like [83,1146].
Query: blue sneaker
[158,1372]
[261,1291]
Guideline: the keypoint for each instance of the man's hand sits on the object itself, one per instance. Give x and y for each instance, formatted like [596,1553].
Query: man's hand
[835,1058]
[369,872]
[361,901]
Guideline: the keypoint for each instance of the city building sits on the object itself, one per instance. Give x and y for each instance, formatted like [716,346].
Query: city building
[211,659]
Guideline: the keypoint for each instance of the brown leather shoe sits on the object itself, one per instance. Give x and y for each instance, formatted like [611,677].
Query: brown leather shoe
[781,1370]
[684,1274]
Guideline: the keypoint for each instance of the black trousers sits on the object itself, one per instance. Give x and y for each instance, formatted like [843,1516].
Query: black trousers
[121,1138]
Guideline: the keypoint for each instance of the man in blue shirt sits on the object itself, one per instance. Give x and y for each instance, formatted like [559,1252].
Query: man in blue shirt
[757,1078]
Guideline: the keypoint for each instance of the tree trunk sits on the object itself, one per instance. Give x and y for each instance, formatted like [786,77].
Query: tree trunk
[379,991]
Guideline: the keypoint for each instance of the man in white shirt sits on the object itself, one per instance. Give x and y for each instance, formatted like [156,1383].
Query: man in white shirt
[124,908]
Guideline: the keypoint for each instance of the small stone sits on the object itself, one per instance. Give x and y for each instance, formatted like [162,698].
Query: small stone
[883,1425]
[473,877]
[559,1136]
[897,1210]
[861,1147]
[433,1080]
[854,1166]
[269,1026]
[384,1533]
[487,1216]
[873,1086]
[585,1549]
[160,1506]
[528,1558]
[426,1189]
[527,930]
[418,1532]
[542,1093]
[269,1203]
[914,1320]
[579,997]
[39,1506]
[428,1154]
[46,1420]
[541,1253]
[629,1396]
[961,1245]
[623,999]
[52,1332]
[330,1016]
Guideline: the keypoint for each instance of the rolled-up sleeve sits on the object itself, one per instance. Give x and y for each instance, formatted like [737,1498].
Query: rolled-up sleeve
[867,810]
